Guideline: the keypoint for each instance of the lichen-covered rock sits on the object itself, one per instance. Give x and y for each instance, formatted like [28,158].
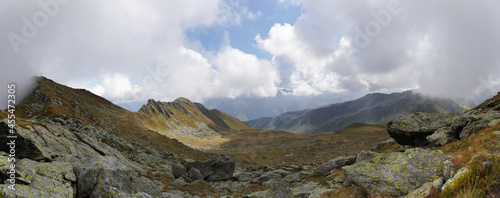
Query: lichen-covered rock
[292,178]
[412,129]
[178,170]
[179,182]
[281,172]
[245,176]
[366,155]
[311,189]
[397,173]
[442,136]
[43,179]
[195,174]
[265,177]
[474,127]
[107,176]
[472,122]
[494,123]
[449,169]
[212,170]
[225,187]
[385,143]
[28,145]
[426,189]
[451,182]
[335,164]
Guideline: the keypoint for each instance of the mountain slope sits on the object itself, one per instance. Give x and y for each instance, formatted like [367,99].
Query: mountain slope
[372,108]
[186,121]
[183,117]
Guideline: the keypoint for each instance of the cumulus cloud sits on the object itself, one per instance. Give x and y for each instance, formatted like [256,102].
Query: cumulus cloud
[439,47]
[245,74]
[135,50]
[126,51]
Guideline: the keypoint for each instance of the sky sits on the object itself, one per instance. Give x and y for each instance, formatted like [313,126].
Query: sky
[129,50]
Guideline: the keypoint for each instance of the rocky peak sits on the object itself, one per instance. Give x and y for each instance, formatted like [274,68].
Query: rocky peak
[182,100]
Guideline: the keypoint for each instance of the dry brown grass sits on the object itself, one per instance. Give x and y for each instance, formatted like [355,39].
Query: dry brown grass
[268,147]
[483,142]
[347,192]
[202,189]
[248,190]
[471,152]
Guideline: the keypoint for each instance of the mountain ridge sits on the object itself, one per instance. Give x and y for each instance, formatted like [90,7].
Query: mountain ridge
[181,119]
[371,108]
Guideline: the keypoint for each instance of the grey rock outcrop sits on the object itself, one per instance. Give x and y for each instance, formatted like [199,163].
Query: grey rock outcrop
[195,174]
[442,136]
[107,176]
[413,129]
[335,164]
[397,173]
[178,170]
[212,170]
[41,179]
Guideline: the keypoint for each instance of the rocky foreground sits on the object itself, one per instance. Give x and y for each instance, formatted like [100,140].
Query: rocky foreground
[76,156]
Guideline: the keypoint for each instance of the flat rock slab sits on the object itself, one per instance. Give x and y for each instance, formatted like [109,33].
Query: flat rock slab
[397,173]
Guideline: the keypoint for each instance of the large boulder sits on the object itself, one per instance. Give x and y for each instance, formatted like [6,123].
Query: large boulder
[335,164]
[213,169]
[178,170]
[412,129]
[108,176]
[442,136]
[397,173]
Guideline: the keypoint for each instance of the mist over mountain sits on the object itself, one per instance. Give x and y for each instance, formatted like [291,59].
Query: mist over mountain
[370,109]
[249,108]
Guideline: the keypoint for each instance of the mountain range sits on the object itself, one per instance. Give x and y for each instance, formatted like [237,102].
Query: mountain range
[72,143]
[248,108]
[372,108]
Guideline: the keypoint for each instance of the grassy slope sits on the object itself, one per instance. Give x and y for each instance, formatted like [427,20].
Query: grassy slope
[61,101]
[267,147]
[471,152]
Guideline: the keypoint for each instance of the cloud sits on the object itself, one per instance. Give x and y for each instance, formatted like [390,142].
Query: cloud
[126,51]
[245,74]
[382,45]
[135,50]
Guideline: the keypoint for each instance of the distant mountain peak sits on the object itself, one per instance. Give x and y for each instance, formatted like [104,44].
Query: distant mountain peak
[182,100]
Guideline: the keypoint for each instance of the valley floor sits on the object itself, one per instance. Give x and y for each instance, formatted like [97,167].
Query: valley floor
[255,147]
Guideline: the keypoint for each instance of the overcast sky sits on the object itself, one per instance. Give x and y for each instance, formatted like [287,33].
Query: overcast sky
[130,51]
